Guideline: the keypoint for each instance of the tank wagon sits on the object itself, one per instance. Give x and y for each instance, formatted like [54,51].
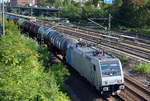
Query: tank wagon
[102,70]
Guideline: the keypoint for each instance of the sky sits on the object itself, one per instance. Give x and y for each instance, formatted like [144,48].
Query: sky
[4,0]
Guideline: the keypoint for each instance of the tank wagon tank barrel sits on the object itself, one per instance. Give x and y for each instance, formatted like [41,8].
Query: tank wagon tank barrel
[101,70]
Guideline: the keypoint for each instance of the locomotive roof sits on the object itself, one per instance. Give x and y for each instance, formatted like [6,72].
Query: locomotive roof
[94,52]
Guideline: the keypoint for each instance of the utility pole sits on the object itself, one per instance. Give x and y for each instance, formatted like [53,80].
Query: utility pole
[109,22]
[81,2]
[3,17]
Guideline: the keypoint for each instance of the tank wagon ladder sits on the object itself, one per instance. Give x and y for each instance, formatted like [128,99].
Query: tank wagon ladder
[42,40]
[38,38]
[27,34]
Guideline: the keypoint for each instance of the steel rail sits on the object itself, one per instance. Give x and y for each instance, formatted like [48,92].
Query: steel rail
[90,36]
[99,35]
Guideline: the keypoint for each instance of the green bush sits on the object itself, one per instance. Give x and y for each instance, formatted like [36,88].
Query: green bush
[22,70]
[125,59]
[59,73]
[143,68]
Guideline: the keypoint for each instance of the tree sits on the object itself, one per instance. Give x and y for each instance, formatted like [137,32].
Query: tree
[95,2]
[139,2]
[132,13]
[72,12]
[55,2]
[91,12]
[22,72]
[118,3]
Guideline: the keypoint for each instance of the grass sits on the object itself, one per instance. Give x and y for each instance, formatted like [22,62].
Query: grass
[143,30]
[143,68]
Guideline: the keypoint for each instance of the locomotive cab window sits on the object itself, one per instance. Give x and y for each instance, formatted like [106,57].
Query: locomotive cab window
[111,68]
[94,67]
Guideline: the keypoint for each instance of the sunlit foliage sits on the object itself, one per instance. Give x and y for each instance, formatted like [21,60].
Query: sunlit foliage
[143,68]
[22,70]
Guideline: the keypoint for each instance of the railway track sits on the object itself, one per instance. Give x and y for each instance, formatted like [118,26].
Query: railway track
[134,91]
[101,37]
[139,49]
[123,45]
[84,92]
[137,88]
[140,39]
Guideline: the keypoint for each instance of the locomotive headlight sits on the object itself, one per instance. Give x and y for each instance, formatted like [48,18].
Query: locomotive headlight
[105,82]
[121,87]
[105,89]
[119,81]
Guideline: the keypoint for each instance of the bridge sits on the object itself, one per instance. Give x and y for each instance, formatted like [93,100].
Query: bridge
[33,10]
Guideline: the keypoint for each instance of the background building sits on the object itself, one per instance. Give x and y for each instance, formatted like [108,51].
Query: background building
[37,2]
[22,2]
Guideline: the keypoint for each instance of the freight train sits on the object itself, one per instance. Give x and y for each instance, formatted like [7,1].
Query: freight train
[101,70]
